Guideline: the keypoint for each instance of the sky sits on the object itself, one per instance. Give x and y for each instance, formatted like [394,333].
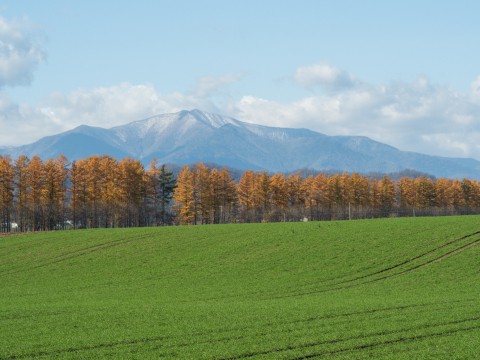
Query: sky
[406,73]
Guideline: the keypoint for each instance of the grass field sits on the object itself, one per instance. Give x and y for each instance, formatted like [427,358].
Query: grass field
[374,289]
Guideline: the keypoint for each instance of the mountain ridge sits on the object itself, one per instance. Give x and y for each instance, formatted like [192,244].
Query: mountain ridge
[192,136]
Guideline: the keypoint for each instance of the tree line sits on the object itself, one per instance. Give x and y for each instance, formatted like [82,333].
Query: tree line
[100,191]
[203,197]
[97,191]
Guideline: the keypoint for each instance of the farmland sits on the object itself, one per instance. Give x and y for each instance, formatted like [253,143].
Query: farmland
[385,289]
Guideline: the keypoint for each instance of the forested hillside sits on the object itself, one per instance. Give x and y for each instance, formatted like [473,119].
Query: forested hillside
[100,191]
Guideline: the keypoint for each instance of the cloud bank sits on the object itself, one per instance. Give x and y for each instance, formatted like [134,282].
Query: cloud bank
[417,116]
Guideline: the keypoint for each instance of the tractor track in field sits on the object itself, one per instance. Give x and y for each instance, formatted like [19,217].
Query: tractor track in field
[66,256]
[223,332]
[364,336]
[30,316]
[312,285]
[348,284]
[215,332]
[147,340]
[384,313]
[408,261]
[315,319]
[388,342]
[87,348]
[73,255]
[439,258]
[259,335]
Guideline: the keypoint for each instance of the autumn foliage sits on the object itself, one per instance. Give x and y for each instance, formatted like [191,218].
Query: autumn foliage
[100,191]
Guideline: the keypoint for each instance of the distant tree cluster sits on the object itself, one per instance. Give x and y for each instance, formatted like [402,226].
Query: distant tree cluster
[203,197]
[100,191]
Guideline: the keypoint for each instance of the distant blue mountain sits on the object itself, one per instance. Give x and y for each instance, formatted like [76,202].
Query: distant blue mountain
[192,136]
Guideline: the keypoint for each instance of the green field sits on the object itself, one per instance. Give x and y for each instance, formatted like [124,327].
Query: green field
[374,289]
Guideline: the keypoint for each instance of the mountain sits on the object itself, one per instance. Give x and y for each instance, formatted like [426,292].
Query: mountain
[193,136]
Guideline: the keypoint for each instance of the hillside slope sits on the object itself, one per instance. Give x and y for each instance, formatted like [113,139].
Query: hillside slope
[383,289]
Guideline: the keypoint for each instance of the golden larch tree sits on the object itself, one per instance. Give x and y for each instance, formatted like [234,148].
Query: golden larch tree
[246,195]
[6,192]
[184,199]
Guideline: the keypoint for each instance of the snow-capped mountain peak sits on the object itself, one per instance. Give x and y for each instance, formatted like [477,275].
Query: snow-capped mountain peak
[209,119]
[192,136]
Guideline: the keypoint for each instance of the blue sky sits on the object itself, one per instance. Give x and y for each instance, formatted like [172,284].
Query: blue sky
[406,72]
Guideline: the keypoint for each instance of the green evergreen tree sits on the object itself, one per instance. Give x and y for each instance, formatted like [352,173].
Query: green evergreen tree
[167,185]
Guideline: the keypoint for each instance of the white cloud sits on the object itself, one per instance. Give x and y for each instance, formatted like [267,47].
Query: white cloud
[417,116]
[325,76]
[20,52]
[105,106]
